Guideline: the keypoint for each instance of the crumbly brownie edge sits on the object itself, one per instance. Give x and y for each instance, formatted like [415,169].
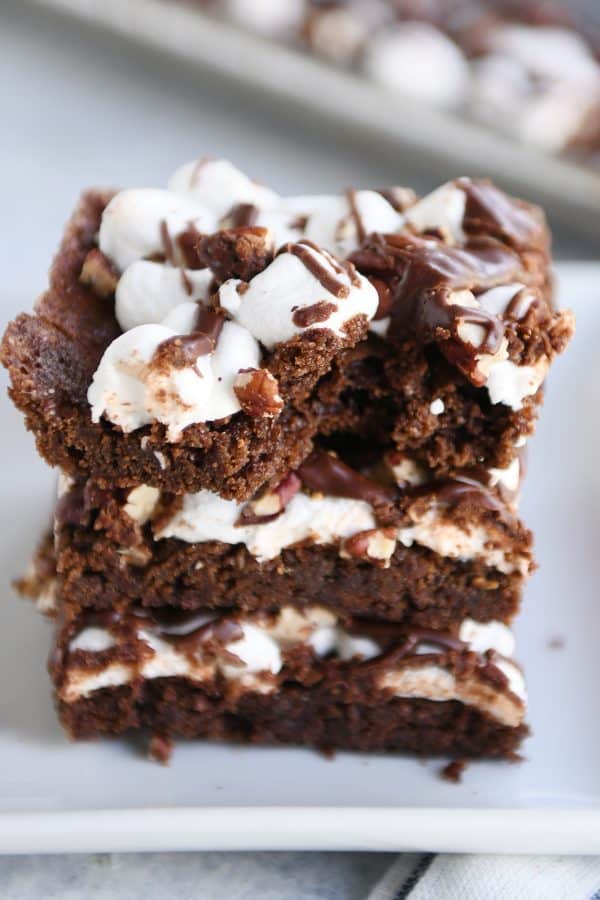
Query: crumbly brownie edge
[386,394]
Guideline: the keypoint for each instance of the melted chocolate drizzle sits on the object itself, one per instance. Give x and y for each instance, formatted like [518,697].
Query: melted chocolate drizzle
[186,282]
[462,489]
[183,350]
[167,242]
[522,304]
[361,232]
[492,212]
[311,315]
[416,636]
[326,474]
[422,273]
[399,198]
[310,256]
[285,491]
[243,215]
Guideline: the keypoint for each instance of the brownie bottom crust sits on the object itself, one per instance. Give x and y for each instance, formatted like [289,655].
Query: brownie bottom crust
[320,717]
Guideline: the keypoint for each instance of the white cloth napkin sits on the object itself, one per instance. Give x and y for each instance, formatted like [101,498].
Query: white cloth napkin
[462,877]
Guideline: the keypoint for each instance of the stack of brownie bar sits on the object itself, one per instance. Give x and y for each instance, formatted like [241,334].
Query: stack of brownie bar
[290,437]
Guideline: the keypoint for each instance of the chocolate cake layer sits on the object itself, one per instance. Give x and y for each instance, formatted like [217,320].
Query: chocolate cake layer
[188,337]
[412,550]
[290,678]
[327,719]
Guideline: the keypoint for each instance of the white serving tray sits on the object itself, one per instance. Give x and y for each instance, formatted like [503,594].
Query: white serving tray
[61,797]
[570,193]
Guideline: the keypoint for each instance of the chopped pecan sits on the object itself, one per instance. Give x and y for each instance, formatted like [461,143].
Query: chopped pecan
[270,504]
[99,273]
[237,252]
[376,545]
[258,393]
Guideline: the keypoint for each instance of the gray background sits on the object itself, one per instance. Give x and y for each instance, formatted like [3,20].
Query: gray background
[81,108]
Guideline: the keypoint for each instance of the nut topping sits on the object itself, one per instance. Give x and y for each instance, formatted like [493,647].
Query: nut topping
[376,546]
[237,252]
[99,273]
[258,393]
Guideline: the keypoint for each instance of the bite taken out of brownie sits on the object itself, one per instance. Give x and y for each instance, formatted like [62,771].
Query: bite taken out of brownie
[201,337]
[464,336]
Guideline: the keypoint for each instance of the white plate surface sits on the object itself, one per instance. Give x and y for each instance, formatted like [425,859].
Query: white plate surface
[56,796]
[570,193]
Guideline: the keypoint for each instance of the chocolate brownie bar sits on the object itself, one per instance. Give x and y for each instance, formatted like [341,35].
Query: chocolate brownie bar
[292,677]
[396,545]
[291,438]
[130,372]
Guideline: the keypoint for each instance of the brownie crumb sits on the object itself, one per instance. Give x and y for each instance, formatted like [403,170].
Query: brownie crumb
[454,770]
[160,749]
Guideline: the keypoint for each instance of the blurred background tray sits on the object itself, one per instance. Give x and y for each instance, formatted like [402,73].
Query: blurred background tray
[570,193]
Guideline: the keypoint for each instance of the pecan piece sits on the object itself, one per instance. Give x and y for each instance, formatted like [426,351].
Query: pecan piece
[237,252]
[376,546]
[99,273]
[258,393]
[270,504]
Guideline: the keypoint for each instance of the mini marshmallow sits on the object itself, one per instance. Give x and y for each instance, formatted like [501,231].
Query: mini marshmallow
[510,384]
[131,392]
[442,209]
[279,19]
[267,307]
[330,222]
[256,650]
[217,185]
[418,60]
[148,291]
[205,516]
[131,223]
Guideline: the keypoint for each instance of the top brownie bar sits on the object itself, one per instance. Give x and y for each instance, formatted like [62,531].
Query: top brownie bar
[200,337]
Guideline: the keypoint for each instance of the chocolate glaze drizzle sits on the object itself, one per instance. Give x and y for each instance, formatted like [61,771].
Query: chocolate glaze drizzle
[422,273]
[167,242]
[183,350]
[326,474]
[492,212]
[361,232]
[243,215]
[311,315]
[400,198]
[310,256]
[521,305]
[460,489]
